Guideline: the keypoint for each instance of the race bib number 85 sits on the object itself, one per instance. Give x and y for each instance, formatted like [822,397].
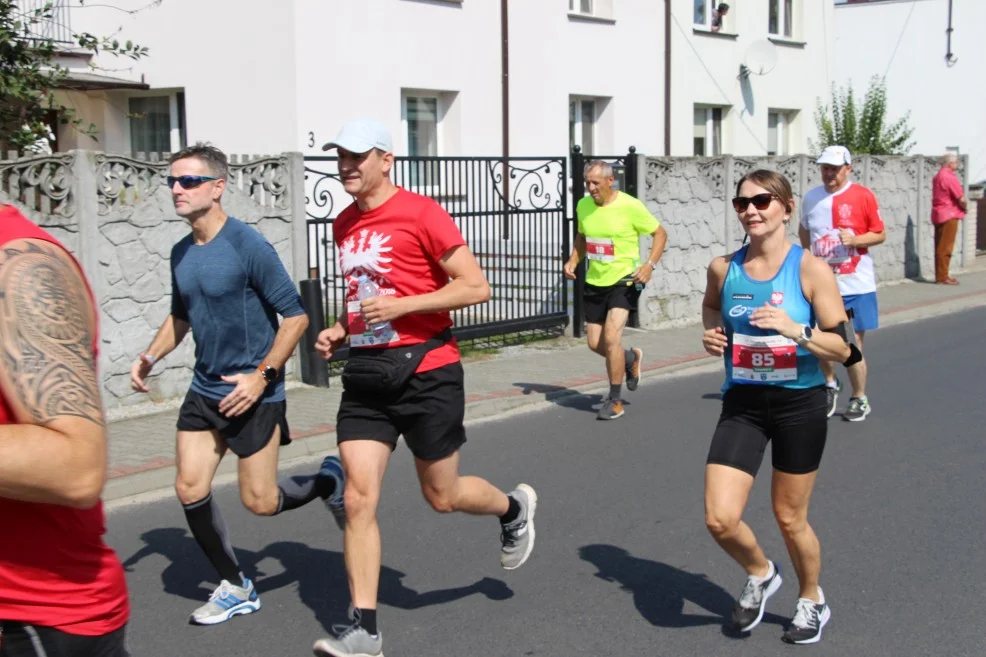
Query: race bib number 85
[764,358]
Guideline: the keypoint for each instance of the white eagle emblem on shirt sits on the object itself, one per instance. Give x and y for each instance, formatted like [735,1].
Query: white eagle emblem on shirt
[366,251]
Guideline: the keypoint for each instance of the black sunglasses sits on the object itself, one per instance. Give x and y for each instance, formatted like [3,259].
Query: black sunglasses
[187,182]
[760,202]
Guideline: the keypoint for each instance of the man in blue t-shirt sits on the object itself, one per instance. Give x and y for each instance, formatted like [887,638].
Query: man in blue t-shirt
[229,286]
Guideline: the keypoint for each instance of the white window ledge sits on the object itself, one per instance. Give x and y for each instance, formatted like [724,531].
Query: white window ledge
[785,41]
[704,31]
[574,15]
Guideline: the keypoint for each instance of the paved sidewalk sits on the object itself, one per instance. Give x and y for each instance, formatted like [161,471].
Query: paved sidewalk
[142,448]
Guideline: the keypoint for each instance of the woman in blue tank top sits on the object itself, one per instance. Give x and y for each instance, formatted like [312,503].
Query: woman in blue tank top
[760,306]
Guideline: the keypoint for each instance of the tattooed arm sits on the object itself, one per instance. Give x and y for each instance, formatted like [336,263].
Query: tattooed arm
[56,453]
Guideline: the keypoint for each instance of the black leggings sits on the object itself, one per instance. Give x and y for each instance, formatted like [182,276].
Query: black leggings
[794,420]
[22,640]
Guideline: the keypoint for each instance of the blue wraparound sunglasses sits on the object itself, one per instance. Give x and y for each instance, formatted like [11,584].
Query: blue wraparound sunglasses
[187,182]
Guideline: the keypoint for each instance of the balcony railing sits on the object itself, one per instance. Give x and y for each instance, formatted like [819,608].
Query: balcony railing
[56,23]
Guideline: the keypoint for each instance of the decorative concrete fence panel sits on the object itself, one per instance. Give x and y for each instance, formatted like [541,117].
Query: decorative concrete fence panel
[692,197]
[116,216]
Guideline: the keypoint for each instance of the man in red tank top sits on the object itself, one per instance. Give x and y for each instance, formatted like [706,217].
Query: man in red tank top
[62,593]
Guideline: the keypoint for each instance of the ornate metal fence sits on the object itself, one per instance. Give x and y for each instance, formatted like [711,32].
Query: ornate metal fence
[512,213]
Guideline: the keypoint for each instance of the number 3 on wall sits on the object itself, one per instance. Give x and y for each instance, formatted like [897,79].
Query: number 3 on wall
[311,140]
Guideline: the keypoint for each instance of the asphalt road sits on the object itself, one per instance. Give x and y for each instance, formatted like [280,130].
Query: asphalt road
[623,564]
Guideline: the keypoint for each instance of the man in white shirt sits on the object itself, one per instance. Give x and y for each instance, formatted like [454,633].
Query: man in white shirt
[840,221]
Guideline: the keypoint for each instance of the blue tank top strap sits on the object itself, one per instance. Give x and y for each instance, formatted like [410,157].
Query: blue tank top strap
[760,357]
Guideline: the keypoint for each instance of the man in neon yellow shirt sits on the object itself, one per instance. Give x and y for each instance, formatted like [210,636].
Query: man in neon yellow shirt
[610,226]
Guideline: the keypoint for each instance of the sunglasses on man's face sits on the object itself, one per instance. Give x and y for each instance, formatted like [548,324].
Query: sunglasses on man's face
[188,182]
[760,202]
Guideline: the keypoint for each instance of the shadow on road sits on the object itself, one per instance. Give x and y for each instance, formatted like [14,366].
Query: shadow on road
[566,397]
[319,574]
[660,591]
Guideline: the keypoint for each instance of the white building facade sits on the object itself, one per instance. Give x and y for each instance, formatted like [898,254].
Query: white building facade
[936,77]
[257,76]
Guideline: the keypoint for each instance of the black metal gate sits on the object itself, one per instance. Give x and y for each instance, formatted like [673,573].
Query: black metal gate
[625,172]
[513,213]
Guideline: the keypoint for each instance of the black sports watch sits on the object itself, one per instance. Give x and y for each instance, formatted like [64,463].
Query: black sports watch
[269,373]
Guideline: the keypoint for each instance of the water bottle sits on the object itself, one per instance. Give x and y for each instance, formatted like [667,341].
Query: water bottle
[367,290]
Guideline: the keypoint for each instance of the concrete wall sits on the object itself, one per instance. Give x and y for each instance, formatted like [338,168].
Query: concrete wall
[113,213]
[692,198]
[117,218]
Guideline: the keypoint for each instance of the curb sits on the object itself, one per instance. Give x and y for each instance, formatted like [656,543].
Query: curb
[155,479]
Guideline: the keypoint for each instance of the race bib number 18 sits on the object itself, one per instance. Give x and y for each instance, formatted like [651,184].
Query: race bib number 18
[764,358]
[600,248]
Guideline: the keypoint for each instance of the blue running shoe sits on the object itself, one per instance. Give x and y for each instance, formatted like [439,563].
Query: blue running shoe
[332,467]
[225,602]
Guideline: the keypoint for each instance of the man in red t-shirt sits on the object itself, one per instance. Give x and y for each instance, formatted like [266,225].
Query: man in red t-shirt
[398,251]
[62,590]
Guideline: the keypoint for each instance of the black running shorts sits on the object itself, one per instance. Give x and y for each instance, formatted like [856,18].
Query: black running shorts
[244,434]
[429,413]
[22,640]
[599,300]
[795,421]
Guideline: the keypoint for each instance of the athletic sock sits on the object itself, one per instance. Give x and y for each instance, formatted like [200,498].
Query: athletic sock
[512,511]
[615,391]
[209,530]
[367,619]
[295,492]
[770,573]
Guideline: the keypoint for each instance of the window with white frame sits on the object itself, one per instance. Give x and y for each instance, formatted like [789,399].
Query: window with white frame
[582,124]
[710,14]
[157,123]
[421,118]
[780,20]
[601,9]
[708,130]
[779,124]
[580,7]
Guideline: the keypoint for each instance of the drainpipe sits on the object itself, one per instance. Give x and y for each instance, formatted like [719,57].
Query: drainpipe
[950,59]
[667,78]
[505,110]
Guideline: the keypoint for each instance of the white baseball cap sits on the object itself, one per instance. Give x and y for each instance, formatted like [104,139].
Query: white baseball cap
[835,155]
[362,135]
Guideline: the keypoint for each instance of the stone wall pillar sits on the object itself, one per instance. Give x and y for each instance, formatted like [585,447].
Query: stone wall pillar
[299,218]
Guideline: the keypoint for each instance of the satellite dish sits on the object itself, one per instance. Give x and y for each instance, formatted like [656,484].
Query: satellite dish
[760,59]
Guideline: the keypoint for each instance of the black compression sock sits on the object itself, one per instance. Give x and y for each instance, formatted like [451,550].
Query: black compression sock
[209,530]
[615,390]
[512,511]
[298,491]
